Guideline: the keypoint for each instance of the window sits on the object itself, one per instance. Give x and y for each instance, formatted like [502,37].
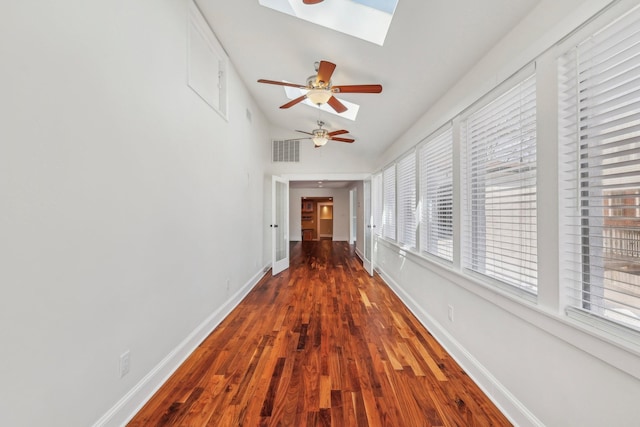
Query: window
[377,204]
[436,196]
[374,16]
[389,202]
[500,188]
[599,122]
[407,223]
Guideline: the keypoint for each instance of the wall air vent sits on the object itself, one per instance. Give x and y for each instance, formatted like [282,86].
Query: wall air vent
[286,151]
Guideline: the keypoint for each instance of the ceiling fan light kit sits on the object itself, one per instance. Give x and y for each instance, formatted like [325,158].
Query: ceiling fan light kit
[319,141]
[319,96]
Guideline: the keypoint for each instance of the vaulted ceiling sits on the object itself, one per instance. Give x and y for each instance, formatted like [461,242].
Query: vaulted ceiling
[430,45]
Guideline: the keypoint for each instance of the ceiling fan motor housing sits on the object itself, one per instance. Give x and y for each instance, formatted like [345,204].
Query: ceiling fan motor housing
[314,83]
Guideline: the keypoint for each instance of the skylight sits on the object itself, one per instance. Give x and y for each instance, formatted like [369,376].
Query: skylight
[388,6]
[372,24]
[352,109]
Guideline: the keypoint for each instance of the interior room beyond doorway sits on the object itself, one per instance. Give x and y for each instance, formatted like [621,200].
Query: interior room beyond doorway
[316,218]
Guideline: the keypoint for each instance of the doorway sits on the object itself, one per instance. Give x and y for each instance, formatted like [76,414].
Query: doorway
[316,218]
[325,220]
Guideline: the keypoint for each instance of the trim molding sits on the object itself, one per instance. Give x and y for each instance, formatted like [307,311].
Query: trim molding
[614,351]
[517,413]
[134,400]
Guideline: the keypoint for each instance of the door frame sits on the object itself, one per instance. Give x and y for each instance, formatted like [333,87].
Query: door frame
[318,205]
[279,225]
[355,177]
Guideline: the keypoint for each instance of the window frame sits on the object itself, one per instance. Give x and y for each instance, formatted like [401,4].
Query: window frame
[389,203]
[502,258]
[431,152]
[588,296]
[406,201]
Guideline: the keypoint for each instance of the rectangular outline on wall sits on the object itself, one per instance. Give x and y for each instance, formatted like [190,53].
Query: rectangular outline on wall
[198,25]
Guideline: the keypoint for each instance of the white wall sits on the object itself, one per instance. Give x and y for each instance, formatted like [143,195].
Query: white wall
[539,366]
[123,197]
[340,211]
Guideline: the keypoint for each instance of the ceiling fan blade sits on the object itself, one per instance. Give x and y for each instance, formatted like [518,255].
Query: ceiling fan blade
[357,89]
[296,139]
[312,1]
[338,132]
[325,70]
[301,131]
[274,82]
[343,139]
[294,102]
[336,105]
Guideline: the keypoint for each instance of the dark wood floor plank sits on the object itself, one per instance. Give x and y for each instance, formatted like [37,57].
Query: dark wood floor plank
[320,344]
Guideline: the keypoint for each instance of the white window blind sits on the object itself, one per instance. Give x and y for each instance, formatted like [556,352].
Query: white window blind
[377,204]
[389,202]
[436,196]
[500,188]
[599,122]
[407,223]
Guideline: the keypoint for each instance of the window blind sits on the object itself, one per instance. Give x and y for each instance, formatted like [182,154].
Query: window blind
[500,188]
[599,123]
[389,202]
[407,223]
[377,204]
[436,196]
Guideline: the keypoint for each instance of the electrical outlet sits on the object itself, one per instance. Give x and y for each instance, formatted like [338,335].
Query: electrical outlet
[450,313]
[125,363]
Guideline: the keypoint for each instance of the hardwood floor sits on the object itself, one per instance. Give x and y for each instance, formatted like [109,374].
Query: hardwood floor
[321,344]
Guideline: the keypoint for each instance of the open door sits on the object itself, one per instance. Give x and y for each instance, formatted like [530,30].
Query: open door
[368,227]
[279,225]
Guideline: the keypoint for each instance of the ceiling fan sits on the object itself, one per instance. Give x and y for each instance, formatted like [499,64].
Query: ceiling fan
[320,136]
[320,89]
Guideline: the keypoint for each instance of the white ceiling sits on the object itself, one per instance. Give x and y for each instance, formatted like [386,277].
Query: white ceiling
[430,45]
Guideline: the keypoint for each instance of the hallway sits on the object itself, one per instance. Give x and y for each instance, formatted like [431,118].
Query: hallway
[320,344]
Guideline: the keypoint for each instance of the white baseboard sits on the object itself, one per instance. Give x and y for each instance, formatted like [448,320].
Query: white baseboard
[134,400]
[359,254]
[510,406]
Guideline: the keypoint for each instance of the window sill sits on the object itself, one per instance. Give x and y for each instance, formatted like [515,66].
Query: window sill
[615,333]
[614,344]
